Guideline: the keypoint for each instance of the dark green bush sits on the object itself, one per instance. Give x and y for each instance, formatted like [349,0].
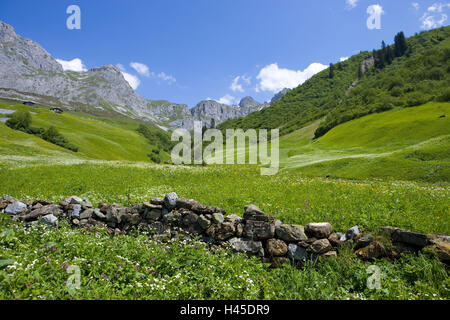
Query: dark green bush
[20,120]
[53,136]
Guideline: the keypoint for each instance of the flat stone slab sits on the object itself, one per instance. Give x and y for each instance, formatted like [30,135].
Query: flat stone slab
[411,238]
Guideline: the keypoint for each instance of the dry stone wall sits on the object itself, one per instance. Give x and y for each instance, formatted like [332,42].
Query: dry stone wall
[256,233]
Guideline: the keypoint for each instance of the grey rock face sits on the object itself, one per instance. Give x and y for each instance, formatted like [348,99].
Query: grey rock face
[86,214]
[297,253]
[351,233]
[99,214]
[42,211]
[50,220]
[249,102]
[170,200]
[291,233]
[212,113]
[247,246]
[29,73]
[411,238]
[76,212]
[15,208]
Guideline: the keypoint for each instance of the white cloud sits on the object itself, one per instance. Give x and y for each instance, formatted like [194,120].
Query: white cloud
[235,86]
[246,79]
[132,80]
[227,99]
[416,5]
[274,79]
[438,7]
[73,65]
[140,68]
[435,17]
[351,4]
[166,77]
[342,59]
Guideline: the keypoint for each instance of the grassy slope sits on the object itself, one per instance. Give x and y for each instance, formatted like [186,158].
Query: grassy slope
[406,144]
[410,80]
[105,139]
[306,103]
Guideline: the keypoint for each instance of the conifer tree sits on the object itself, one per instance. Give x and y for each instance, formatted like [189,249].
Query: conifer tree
[400,44]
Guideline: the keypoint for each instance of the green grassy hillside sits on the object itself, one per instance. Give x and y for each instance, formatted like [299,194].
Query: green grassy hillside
[404,144]
[96,138]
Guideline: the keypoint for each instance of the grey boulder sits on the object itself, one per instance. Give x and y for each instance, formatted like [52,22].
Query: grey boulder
[15,208]
[170,200]
[351,233]
[247,246]
[49,220]
[296,252]
[291,233]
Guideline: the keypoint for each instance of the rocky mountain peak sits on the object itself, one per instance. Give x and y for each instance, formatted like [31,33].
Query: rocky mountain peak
[248,102]
[279,95]
[106,68]
[7,33]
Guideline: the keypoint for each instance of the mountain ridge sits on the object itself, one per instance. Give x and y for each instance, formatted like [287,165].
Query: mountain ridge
[365,83]
[30,73]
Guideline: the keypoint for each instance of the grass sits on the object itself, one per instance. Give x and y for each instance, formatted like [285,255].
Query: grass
[97,138]
[35,265]
[406,144]
[290,197]
[409,144]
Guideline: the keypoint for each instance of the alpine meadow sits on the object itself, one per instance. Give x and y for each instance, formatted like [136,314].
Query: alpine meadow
[93,206]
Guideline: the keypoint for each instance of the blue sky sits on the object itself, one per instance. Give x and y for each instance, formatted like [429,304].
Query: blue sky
[219,49]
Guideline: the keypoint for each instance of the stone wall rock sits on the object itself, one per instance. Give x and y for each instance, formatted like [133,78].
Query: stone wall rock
[256,233]
[319,230]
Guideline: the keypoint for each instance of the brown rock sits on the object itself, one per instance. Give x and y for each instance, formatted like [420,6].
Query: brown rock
[363,241]
[440,249]
[335,240]
[183,203]
[189,222]
[375,250]
[291,233]
[321,246]
[276,248]
[151,206]
[331,254]
[277,262]
[157,201]
[202,209]
[319,230]
[399,248]
[221,231]
[259,230]
[43,211]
